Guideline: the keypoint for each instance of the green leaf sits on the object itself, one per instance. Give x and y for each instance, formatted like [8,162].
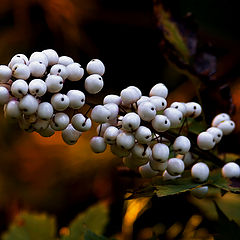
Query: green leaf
[185,183]
[195,126]
[89,235]
[94,218]
[171,32]
[28,226]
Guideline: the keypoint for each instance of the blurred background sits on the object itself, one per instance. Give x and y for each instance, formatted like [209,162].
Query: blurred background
[46,175]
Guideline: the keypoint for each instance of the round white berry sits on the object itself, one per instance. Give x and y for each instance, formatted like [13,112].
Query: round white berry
[113,108]
[37,69]
[60,101]
[175,166]
[4,95]
[205,141]
[160,152]
[81,123]
[179,106]
[142,99]
[159,102]
[25,125]
[11,109]
[181,145]
[231,170]
[220,118]
[28,104]
[76,98]
[147,172]
[175,116]
[147,111]
[193,109]
[59,70]
[95,66]
[200,172]
[45,111]
[48,132]
[131,121]
[110,135]
[129,96]
[40,124]
[18,58]
[70,135]
[54,83]
[5,73]
[226,126]
[37,87]
[118,151]
[97,144]
[143,135]
[52,56]
[125,140]
[65,60]
[159,90]
[216,133]
[101,128]
[19,88]
[166,176]
[112,99]
[75,72]
[93,83]
[21,71]
[200,192]
[59,121]
[137,91]
[161,123]
[141,151]
[100,114]
[158,166]
[39,57]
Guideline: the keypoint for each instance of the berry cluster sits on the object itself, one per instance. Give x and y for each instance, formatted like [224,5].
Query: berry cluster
[133,126]
[31,92]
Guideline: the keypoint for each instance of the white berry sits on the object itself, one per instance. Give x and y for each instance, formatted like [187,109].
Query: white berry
[19,88]
[129,96]
[18,58]
[28,104]
[59,70]
[54,83]
[131,121]
[37,87]
[75,72]
[205,141]
[21,71]
[175,116]
[5,73]
[100,114]
[143,135]
[60,101]
[112,99]
[160,152]
[125,140]
[146,171]
[166,176]
[110,135]
[11,109]
[159,90]
[45,111]
[226,126]
[65,60]
[231,170]
[175,166]
[39,57]
[4,95]
[200,172]
[216,133]
[98,145]
[159,102]
[59,121]
[179,106]
[141,151]
[220,118]
[76,98]
[161,123]
[181,145]
[158,166]
[70,135]
[95,66]
[147,111]
[37,69]
[93,83]
[52,56]
[81,123]
[200,192]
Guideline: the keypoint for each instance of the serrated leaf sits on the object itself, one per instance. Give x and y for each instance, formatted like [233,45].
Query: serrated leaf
[31,226]
[171,32]
[94,218]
